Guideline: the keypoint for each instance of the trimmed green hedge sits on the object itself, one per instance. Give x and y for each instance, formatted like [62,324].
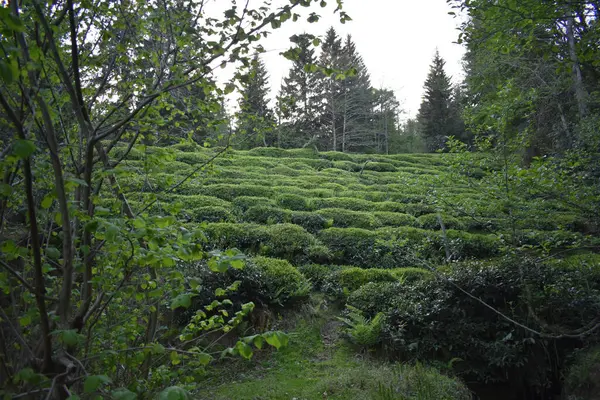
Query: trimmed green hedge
[387,218]
[347,203]
[292,202]
[343,218]
[266,215]
[284,283]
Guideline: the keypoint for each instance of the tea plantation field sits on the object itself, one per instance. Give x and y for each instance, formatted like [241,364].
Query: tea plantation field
[383,234]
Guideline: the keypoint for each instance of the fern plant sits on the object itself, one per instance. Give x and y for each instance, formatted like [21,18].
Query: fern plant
[361,330]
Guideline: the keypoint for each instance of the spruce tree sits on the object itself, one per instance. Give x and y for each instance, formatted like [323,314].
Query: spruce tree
[436,114]
[357,101]
[299,95]
[255,119]
[330,90]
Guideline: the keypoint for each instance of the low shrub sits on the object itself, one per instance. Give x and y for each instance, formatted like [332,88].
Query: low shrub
[288,241]
[336,156]
[292,202]
[390,206]
[431,222]
[411,274]
[231,191]
[360,330]
[434,320]
[266,215]
[274,152]
[343,218]
[347,203]
[374,297]
[347,166]
[347,280]
[468,245]
[211,214]
[243,203]
[247,237]
[379,166]
[387,218]
[352,245]
[418,209]
[284,283]
[310,221]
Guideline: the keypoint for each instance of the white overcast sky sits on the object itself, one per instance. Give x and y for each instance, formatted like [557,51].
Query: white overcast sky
[396,38]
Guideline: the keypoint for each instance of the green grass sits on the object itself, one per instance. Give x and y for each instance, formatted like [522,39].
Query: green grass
[318,364]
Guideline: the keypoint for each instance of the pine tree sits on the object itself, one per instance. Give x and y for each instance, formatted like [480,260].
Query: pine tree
[357,101]
[436,114]
[330,89]
[299,95]
[255,119]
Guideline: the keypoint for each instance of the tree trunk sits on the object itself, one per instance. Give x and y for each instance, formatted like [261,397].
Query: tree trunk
[580,92]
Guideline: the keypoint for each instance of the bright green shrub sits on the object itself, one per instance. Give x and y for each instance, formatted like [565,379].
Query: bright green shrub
[390,206]
[246,237]
[469,245]
[336,156]
[431,222]
[343,202]
[282,281]
[387,218]
[274,152]
[292,202]
[230,192]
[343,218]
[418,209]
[188,147]
[306,152]
[317,273]
[196,201]
[211,214]
[347,166]
[310,221]
[288,241]
[243,203]
[351,245]
[379,167]
[194,159]
[350,279]
[266,215]
[319,253]
[281,169]
[374,297]
[411,274]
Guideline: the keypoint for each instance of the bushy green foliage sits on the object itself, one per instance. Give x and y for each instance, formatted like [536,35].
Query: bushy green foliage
[243,203]
[229,191]
[292,202]
[282,281]
[343,218]
[431,222]
[388,218]
[347,280]
[379,167]
[266,215]
[289,241]
[374,297]
[434,320]
[343,202]
[581,381]
[360,330]
[311,221]
[352,245]
[211,214]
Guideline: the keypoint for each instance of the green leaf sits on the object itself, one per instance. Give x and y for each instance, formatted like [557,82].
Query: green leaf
[244,350]
[157,348]
[204,358]
[93,382]
[52,253]
[47,201]
[276,339]
[259,341]
[183,300]
[123,394]
[69,337]
[23,148]
[173,393]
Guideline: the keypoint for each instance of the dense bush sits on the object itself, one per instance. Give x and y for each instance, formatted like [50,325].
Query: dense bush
[347,280]
[352,246]
[374,297]
[288,241]
[310,221]
[379,166]
[387,218]
[243,203]
[282,281]
[211,214]
[229,191]
[292,202]
[343,218]
[266,215]
[434,320]
[431,221]
[347,203]
[247,237]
